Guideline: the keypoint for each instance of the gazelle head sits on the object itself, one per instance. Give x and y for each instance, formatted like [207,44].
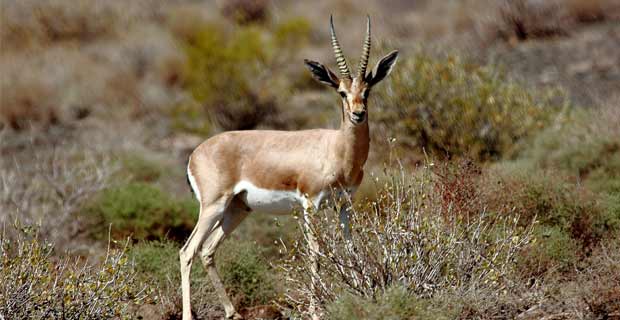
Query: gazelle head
[354,90]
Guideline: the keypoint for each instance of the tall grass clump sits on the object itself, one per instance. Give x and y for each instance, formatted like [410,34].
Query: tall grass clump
[36,285]
[235,76]
[408,237]
[450,106]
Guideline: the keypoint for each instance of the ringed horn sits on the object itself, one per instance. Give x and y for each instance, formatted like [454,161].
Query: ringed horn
[342,62]
[365,52]
[340,59]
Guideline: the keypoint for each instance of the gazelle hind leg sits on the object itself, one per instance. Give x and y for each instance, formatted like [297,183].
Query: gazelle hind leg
[210,215]
[236,212]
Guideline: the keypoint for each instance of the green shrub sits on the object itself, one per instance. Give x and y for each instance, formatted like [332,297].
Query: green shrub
[450,106]
[158,261]
[245,273]
[144,212]
[264,229]
[36,285]
[291,34]
[585,147]
[396,303]
[233,76]
[553,249]
[554,202]
[585,144]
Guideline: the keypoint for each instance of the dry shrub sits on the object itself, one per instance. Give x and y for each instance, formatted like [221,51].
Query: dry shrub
[48,184]
[603,277]
[39,23]
[591,292]
[554,200]
[35,285]
[405,238]
[133,78]
[571,219]
[524,19]
[82,66]
[457,187]
[246,11]
[588,11]
[529,19]
[26,102]
[45,89]
[28,22]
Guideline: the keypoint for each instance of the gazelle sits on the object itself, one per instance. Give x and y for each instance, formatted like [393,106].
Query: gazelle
[237,172]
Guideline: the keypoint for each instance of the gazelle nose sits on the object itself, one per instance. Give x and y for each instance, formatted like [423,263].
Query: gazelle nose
[358,116]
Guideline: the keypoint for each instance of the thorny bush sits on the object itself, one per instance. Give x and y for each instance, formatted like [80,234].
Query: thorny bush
[408,237]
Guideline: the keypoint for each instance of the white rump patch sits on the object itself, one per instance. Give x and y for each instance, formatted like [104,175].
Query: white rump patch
[269,201]
[192,181]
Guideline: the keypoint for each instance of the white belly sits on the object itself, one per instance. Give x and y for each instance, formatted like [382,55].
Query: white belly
[269,201]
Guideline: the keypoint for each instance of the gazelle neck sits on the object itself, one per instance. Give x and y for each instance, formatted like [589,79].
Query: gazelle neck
[355,144]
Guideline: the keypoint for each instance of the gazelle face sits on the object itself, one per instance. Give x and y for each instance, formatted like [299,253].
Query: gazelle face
[353,90]
[354,96]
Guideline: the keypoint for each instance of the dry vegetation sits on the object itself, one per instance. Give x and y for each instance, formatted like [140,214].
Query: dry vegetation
[414,236]
[526,19]
[505,201]
[37,286]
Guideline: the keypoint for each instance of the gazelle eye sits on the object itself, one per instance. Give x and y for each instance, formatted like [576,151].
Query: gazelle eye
[343,94]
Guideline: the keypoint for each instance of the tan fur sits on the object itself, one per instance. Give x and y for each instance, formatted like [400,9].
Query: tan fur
[309,161]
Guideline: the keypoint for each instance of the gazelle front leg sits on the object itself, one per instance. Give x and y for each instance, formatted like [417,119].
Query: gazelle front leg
[345,221]
[344,205]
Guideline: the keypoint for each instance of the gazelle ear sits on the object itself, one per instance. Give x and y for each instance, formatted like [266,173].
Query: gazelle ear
[382,69]
[322,73]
